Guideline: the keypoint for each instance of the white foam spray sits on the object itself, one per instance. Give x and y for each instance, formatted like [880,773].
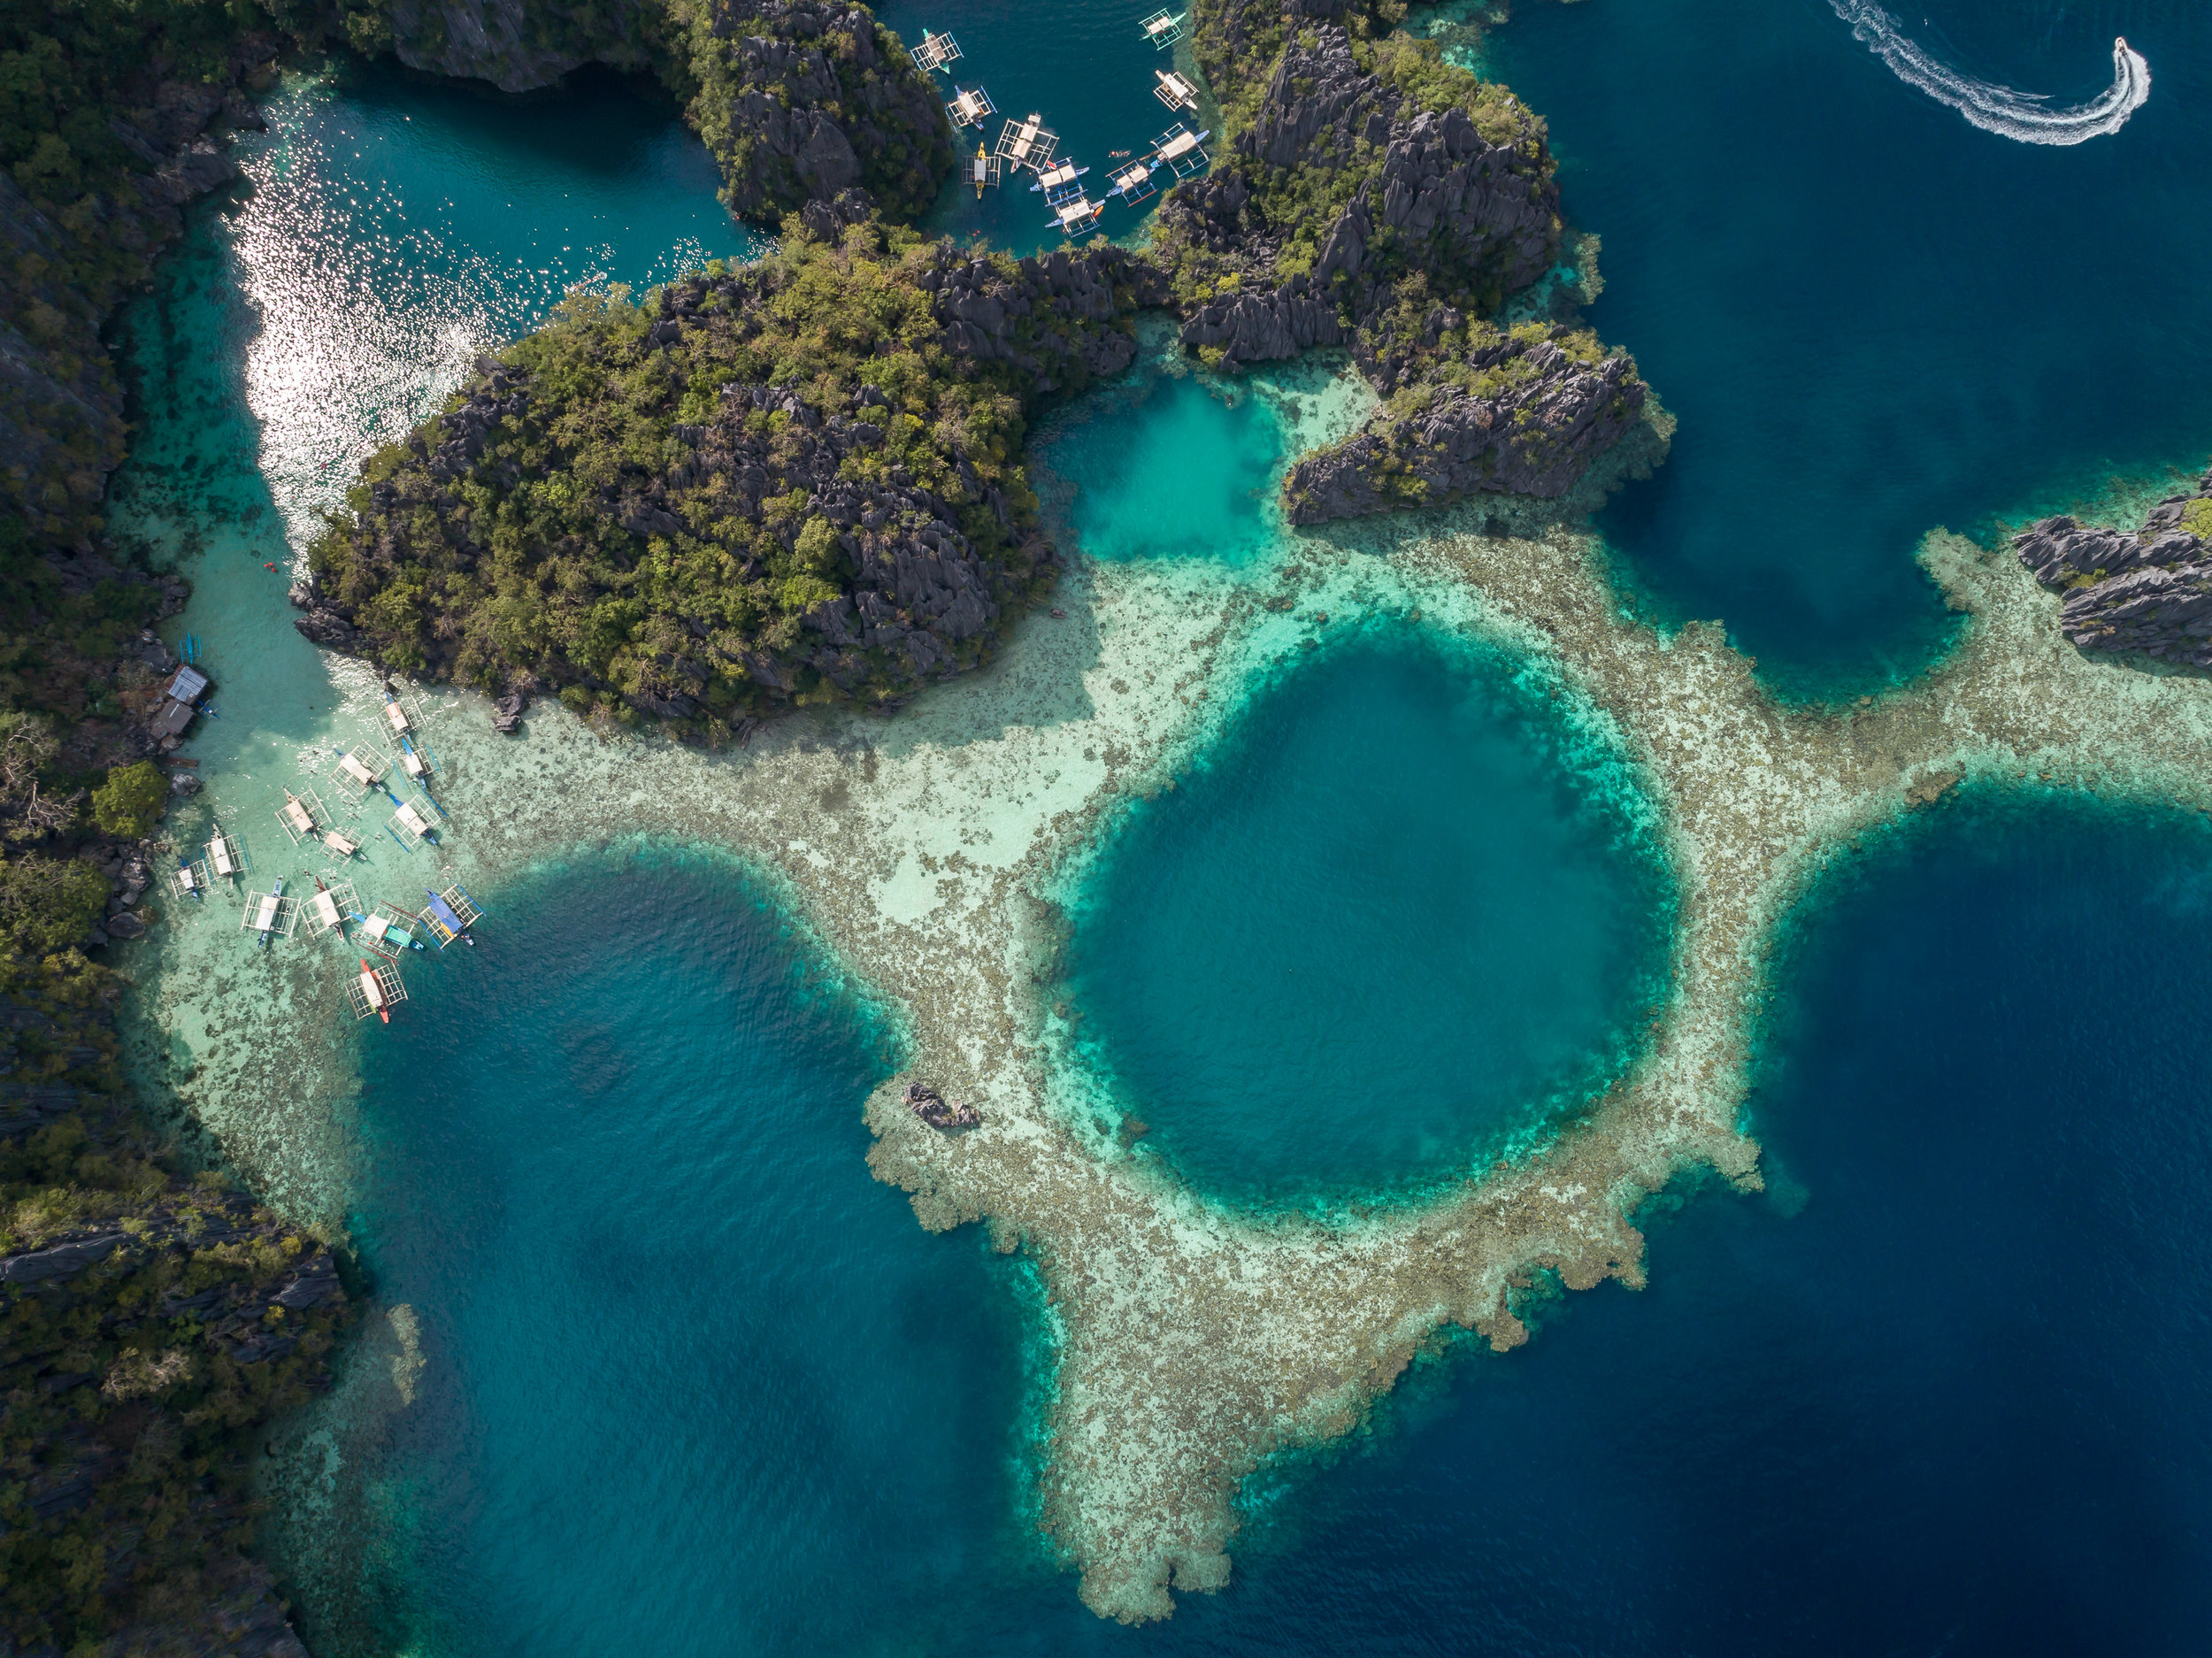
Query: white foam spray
[2028,118]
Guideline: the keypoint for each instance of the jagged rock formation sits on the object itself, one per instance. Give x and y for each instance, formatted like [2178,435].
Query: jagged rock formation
[801,99]
[798,99]
[2141,593]
[1539,414]
[1378,199]
[1429,194]
[516,45]
[833,534]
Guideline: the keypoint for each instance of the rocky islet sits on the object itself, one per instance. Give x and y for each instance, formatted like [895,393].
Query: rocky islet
[2145,593]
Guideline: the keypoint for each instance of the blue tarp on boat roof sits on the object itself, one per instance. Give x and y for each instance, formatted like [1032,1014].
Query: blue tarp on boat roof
[444,912]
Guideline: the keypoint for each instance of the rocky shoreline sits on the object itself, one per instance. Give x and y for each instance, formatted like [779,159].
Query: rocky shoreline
[2145,593]
[1432,214]
[1439,201]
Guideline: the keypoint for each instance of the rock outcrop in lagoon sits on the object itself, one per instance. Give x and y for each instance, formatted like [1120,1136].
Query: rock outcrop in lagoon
[2132,593]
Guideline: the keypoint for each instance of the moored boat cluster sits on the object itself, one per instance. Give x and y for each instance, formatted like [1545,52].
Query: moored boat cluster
[385,930]
[1028,144]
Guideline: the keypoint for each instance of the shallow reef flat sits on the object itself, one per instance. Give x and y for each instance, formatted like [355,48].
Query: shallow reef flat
[932,856]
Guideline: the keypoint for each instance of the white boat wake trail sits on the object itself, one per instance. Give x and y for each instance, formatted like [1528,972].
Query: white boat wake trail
[2027,117]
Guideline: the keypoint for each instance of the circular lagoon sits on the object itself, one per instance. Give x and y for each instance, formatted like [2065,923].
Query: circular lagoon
[1400,916]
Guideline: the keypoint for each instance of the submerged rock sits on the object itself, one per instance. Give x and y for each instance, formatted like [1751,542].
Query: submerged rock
[2141,593]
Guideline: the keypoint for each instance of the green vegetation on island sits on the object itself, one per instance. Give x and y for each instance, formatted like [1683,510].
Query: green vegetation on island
[791,480]
[152,1322]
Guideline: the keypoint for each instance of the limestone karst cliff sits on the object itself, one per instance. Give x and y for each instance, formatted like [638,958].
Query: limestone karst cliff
[861,531]
[2145,592]
[1377,198]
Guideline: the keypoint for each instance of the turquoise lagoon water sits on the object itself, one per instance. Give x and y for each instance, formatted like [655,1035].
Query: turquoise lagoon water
[1390,921]
[697,1382]
[1870,316]
[682,1352]
[1165,465]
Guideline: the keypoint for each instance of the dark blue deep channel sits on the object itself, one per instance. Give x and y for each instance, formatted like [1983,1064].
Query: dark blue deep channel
[1870,316]
[696,1386]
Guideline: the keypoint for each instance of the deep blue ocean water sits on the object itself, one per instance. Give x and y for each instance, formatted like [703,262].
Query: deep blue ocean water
[696,1383]
[1385,926]
[1872,318]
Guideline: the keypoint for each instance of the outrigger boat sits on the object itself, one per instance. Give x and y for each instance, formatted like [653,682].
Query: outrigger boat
[969,108]
[1073,213]
[1176,91]
[936,50]
[1162,28]
[358,769]
[304,818]
[296,818]
[410,818]
[1180,150]
[1027,143]
[270,912]
[1057,177]
[450,915]
[980,169]
[191,879]
[330,909]
[223,855]
[396,711]
[1133,182]
[389,930]
[373,990]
